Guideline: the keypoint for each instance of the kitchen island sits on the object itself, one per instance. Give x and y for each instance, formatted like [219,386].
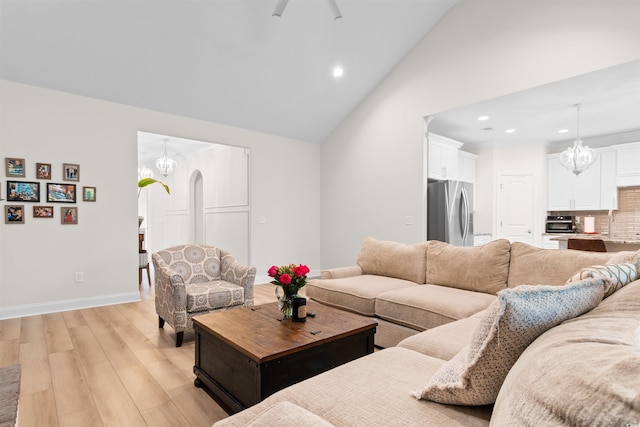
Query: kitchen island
[613,244]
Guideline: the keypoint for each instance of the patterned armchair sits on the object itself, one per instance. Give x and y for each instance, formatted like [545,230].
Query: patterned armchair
[196,279]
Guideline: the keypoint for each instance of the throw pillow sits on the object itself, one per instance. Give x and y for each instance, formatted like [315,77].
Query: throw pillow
[393,259]
[624,257]
[473,268]
[517,317]
[619,274]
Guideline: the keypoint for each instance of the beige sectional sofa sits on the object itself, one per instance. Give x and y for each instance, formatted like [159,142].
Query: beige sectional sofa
[412,288]
[546,352]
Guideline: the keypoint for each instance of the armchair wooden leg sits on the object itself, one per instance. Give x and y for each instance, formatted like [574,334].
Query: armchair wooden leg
[160,322]
[179,338]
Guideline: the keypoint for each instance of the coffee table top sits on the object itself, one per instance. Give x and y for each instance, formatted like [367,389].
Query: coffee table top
[259,333]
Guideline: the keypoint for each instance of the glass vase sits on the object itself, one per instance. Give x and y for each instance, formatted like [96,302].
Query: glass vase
[285,301]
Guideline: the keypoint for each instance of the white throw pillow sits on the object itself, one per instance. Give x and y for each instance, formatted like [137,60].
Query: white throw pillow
[517,317]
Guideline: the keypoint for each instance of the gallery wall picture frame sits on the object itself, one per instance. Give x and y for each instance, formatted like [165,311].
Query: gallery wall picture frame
[88,194]
[43,170]
[14,167]
[14,214]
[61,193]
[70,172]
[43,211]
[68,215]
[22,191]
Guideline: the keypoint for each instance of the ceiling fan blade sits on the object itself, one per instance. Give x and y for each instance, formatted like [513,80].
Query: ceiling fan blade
[280,8]
[334,9]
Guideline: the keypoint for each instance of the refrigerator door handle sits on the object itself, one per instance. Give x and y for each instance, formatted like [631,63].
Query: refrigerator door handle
[464,214]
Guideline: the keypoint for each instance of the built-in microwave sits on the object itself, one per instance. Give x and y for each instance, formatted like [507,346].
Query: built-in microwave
[561,224]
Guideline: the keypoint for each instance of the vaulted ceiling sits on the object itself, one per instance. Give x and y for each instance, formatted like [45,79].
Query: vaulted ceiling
[225,61]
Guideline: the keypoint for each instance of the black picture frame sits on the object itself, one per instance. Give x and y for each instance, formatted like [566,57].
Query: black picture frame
[61,193]
[23,191]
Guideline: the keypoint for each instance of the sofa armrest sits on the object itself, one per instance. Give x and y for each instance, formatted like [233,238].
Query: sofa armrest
[340,272]
[171,294]
[233,271]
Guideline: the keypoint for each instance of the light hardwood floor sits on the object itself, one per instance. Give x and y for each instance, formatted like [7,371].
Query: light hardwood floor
[107,366]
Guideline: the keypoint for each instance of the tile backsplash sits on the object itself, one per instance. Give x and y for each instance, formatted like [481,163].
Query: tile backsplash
[626,219]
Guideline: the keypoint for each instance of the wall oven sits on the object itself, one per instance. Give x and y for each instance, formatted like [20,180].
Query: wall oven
[561,224]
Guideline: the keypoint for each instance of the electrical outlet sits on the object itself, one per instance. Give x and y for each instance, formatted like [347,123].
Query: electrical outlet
[79,277]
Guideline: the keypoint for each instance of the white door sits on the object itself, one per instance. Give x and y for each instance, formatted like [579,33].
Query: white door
[516,207]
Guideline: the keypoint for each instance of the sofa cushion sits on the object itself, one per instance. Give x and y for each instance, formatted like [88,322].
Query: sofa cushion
[393,259]
[623,257]
[357,294]
[427,306]
[482,269]
[474,376]
[213,295]
[445,341]
[372,391]
[549,266]
[287,414]
[619,274]
[591,362]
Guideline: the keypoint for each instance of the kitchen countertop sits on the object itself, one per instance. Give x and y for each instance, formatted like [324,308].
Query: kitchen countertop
[615,239]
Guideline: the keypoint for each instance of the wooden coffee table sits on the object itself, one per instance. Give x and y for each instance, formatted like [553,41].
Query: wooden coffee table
[246,354]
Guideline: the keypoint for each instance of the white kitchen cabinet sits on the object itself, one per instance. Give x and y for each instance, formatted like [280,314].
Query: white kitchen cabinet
[628,164]
[467,171]
[467,167]
[547,243]
[608,176]
[443,157]
[567,191]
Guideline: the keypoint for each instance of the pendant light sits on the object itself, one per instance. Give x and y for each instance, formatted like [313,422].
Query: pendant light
[145,172]
[578,157]
[166,164]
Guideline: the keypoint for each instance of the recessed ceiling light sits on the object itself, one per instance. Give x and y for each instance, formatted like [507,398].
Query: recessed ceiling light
[483,118]
[563,131]
[338,72]
[509,131]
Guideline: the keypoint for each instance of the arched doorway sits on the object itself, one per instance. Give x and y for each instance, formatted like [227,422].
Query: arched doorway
[196,208]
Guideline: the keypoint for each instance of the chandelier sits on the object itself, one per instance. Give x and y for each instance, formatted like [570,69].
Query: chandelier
[166,164]
[578,157]
[145,172]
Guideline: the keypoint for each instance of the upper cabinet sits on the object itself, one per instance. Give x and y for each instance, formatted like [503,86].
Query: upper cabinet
[628,164]
[608,172]
[593,189]
[467,167]
[443,157]
[567,191]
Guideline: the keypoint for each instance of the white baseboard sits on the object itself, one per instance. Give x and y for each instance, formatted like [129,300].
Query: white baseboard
[66,305]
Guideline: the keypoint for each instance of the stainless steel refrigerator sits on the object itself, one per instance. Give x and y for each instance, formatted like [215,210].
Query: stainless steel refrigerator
[450,212]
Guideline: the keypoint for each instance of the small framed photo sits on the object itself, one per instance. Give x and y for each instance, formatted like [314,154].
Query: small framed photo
[89,194]
[14,214]
[69,215]
[70,172]
[21,191]
[61,193]
[43,170]
[43,211]
[14,167]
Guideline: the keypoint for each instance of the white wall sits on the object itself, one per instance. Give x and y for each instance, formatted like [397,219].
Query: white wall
[39,258]
[372,164]
[225,202]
